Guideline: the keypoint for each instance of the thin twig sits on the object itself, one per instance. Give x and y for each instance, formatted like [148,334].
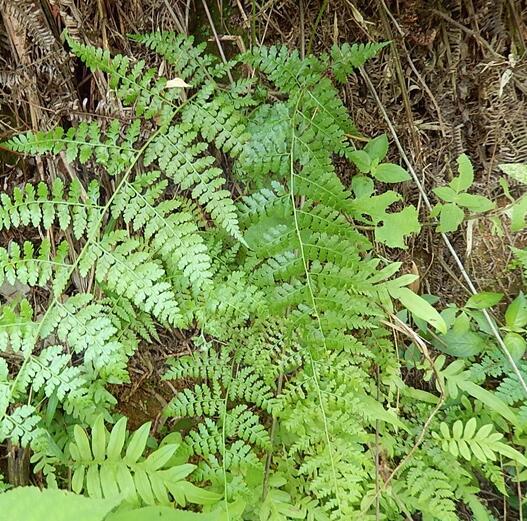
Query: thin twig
[415,71]
[218,43]
[315,26]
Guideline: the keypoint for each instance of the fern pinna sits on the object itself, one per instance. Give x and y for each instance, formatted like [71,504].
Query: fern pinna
[291,399]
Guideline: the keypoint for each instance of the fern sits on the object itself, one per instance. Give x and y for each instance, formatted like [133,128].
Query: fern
[133,83]
[293,401]
[431,492]
[51,372]
[20,265]
[467,441]
[101,468]
[188,59]
[345,58]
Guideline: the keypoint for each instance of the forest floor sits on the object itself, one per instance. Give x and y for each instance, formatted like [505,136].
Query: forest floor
[453,80]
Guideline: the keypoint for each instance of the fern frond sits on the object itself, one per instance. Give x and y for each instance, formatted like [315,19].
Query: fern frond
[88,328]
[201,400]
[46,207]
[18,329]
[266,152]
[20,265]
[83,143]
[20,426]
[204,366]
[345,58]
[431,492]
[51,372]
[217,120]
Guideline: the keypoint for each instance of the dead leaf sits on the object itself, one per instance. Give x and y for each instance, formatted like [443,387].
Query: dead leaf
[177,83]
[416,284]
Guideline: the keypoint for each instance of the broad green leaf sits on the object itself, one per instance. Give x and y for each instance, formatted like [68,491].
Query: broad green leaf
[116,440]
[375,411]
[143,487]
[436,210]
[485,299]
[385,273]
[420,308]
[376,205]
[390,173]
[466,174]
[159,489]
[82,442]
[457,430]
[178,472]
[362,186]
[158,458]
[516,345]
[517,171]
[478,452]
[452,447]
[510,453]
[98,439]
[125,481]
[377,148]
[489,399]
[361,160]
[137,443]
[517,213]
[470,428]
[185,491]
[33,504]
[77,481]
[475,203]
[461,344]
[93,483]
[419,395]
[445,193]
[397,226]
[464,450]
[516,313]
[108,480]
[450,218]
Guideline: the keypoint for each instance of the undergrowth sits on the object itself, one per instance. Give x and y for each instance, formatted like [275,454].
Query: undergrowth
[296,400]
